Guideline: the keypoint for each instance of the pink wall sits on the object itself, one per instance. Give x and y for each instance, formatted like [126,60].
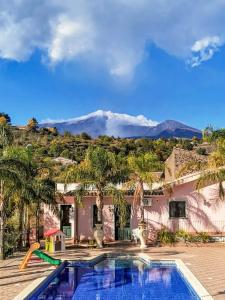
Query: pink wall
[85,220]
[51,221]
[205,212]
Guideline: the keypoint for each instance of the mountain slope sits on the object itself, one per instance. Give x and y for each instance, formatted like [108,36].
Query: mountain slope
[122,125]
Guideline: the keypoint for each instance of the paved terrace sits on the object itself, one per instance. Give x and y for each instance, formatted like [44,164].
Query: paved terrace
[206,262]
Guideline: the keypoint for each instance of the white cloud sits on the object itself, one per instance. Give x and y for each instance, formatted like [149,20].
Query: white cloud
[112,33]
[204,49]
[113,122]
[113,119]
[69,39]
[209,41]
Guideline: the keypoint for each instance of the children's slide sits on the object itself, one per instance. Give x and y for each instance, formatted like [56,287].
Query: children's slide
[34,250]
[47,258]
[28,255]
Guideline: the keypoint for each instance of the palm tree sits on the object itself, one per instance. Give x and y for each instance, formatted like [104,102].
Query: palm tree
[39,190]
[22,179]
[192,166]
[211,177]
[6,139]
[211,172]
[101,171]
[13,173]
[24,195]
[215,169]
[44,194]
[142,172]
[6,136]
[32,196]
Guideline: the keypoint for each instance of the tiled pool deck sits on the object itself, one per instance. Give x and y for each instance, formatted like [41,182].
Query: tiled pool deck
[206,263]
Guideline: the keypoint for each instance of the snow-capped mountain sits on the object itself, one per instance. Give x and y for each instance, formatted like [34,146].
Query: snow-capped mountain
[122,125]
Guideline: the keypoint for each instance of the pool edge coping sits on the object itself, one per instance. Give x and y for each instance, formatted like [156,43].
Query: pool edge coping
[36,282]
[186,272]
[189,276]
[30,288]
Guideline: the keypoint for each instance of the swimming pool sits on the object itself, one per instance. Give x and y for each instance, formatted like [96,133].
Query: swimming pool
[111,278]
[115,278]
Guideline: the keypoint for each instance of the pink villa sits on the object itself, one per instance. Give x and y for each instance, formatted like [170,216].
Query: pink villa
[186,209]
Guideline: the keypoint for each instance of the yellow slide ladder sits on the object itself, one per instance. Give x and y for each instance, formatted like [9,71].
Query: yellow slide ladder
[28,255]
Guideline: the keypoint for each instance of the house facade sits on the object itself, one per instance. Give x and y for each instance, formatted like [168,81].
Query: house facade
[183,208]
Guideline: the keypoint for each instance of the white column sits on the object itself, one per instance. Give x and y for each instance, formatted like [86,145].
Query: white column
[72,220]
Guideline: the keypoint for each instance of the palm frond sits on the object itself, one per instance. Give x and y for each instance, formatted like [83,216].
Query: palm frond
[18,166]
[191,167]
[212,177]
[129,185]
[168,189]
[10,177]
[80,192]
[119,201]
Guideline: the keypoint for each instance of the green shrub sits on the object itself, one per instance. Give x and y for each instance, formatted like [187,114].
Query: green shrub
[165,236]
[182,235]
[92,244]
[203,237]
[201,151]
[193,238]
[11,239]
[168,237]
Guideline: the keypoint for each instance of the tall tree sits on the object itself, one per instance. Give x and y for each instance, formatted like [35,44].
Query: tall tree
[211,172]
[215,169]
[100,171]
[22,154]
[36,192]
[44,194]
[5,118]
[6,136]
[142,173]
[6,174]
[13,173]
[32,124]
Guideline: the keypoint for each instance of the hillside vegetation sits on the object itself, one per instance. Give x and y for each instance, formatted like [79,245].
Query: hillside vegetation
[48,143]
[28,172]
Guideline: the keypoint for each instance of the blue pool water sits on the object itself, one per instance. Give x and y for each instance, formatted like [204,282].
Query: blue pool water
[116,278]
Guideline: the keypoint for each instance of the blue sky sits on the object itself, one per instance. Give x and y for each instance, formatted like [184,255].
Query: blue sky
[77,61]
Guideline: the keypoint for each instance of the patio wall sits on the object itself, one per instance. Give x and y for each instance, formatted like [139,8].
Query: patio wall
[205,212]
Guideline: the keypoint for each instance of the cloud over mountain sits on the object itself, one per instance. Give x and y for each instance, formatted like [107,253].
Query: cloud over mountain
[113,33]
[111,122]
[121,125]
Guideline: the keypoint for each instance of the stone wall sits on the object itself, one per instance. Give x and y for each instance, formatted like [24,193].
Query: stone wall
[178,159]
